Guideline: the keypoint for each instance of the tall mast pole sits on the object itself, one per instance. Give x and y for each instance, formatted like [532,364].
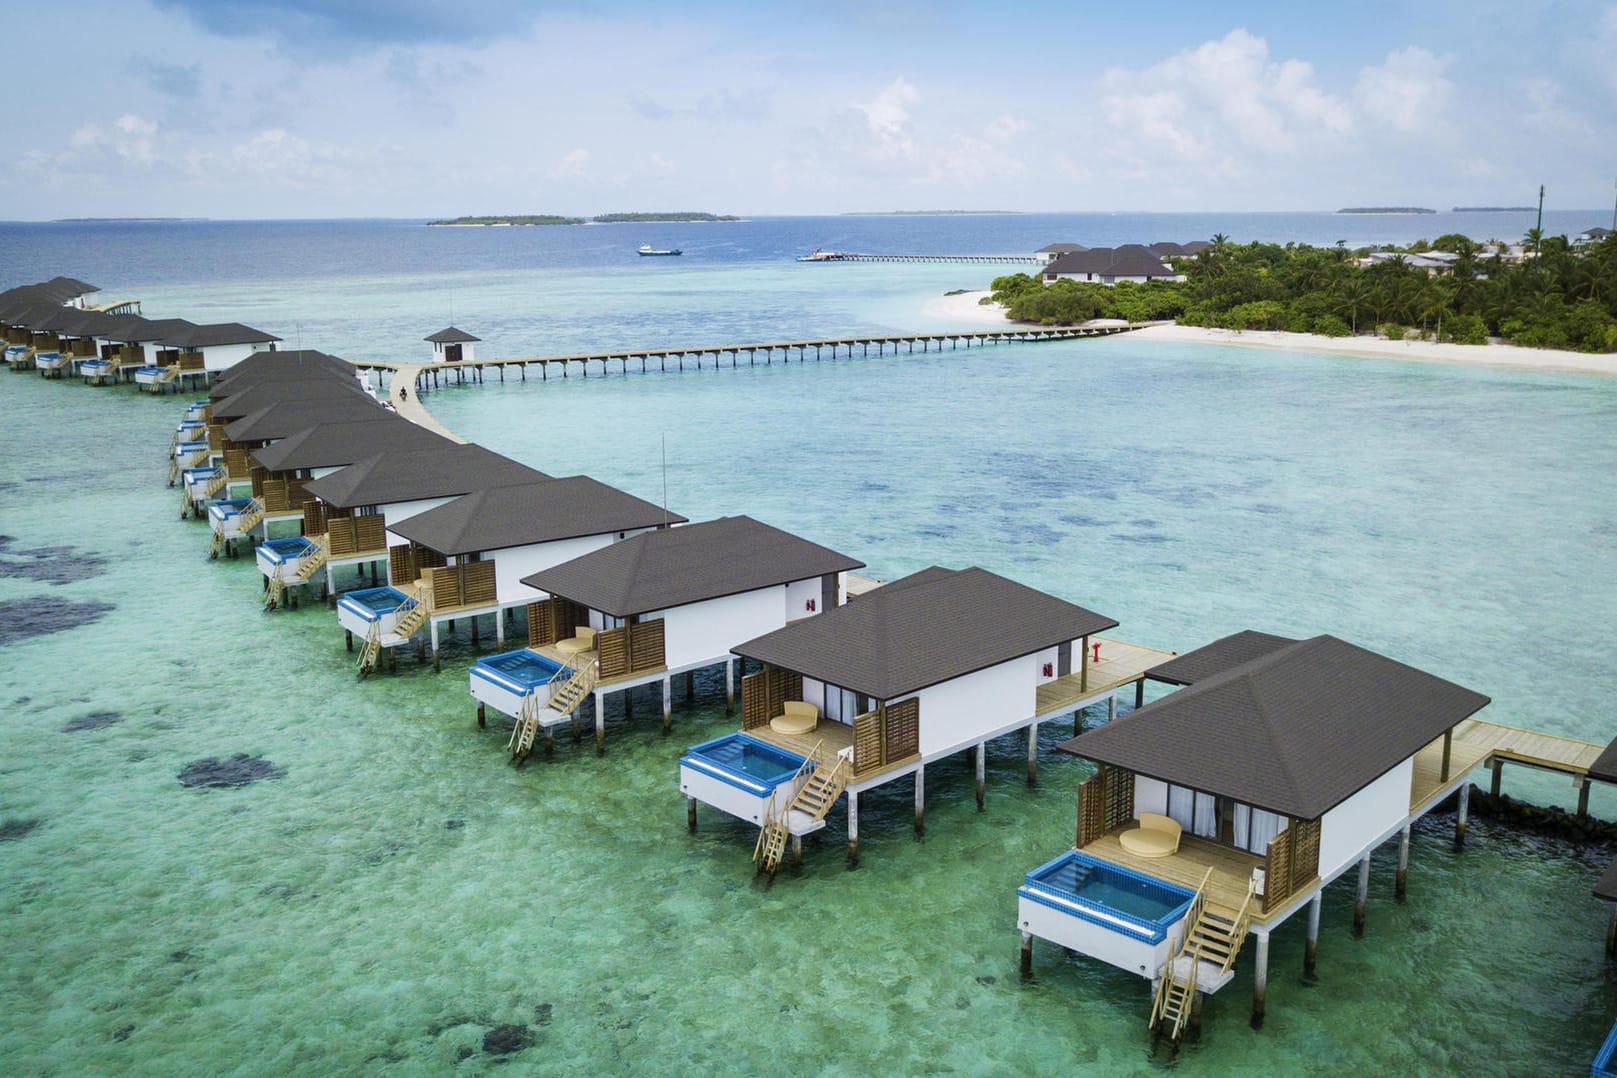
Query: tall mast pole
[1538,232]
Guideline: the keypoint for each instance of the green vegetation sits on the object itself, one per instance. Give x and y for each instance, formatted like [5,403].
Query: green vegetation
[513,219]
[642,218]
[1386,209]
[1564,299]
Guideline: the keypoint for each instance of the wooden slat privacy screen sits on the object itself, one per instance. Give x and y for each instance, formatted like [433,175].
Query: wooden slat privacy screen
[903,729]
[1092,808]
[1277,874]
[613,648]
[755,700]
[541,628]
[646,645]
[314,521]
[867,742]
[1119,797]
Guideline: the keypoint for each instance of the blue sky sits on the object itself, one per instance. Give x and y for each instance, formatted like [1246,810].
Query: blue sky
[301,108]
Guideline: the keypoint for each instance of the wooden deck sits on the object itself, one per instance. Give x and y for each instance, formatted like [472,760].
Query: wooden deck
[549,651]
[1232,869]
[1476,742]
[860,585]
[831,738]
[1120,664]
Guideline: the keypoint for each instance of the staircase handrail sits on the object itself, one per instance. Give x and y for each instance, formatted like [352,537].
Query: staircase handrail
[1243,919]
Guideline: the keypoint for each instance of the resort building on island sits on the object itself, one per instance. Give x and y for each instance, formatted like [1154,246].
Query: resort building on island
[1052,251]
[472,556]
[1106,265]
[1225,808]
[871,692]
[670,602]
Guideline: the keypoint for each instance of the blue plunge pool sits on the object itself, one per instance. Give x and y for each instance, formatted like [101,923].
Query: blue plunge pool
[1108,894]
[372,603]
[743,761]
[280,550]
[518,671]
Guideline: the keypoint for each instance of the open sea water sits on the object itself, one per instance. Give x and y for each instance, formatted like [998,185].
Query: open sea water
[391,890]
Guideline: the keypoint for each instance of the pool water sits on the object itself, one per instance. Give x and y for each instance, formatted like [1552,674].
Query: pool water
[523,666]
[282,549]
[376,600]
[1113,888]
[750,757]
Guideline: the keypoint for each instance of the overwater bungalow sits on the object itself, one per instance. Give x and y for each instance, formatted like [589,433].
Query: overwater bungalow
[658,604]
[354,506]
[1222,810]
[914,671]
[128,345]
[279,365]
[280,472]
[472,556]
[232,441]
[452,345]
[193,353]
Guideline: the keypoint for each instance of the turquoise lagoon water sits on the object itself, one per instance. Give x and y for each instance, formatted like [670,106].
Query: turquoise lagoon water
[398,890]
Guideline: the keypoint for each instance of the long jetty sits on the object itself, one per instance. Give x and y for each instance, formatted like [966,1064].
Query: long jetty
[433,375]
[855,256]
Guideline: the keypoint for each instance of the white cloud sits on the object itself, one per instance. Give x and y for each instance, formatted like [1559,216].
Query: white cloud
[887,115]
[574,165]
[129,137]
[1408,93]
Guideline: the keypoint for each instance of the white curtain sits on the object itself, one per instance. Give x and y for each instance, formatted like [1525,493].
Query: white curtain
[1206,816]
[1265,826]
[1181,806]
[1243,826]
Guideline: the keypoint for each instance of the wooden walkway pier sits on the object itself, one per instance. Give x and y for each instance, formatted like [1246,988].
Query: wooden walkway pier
[855,256]
[647,360]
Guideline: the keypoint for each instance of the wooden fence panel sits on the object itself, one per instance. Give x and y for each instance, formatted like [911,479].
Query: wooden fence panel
[867,741]
[1277,872]
[272,492]
[541,626]
[904,729]
[613,648]
[314,518]
[1091,808]
[400,565]
[341,533]
[646,645]
[444,582]
[755,701]
[1304,852]
[370,533]
[1119,797]
[477,584]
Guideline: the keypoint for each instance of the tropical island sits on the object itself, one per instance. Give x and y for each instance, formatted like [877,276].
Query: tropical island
[931,213]
[1451,289]
[1493,209]
[500,220]
[1385,209]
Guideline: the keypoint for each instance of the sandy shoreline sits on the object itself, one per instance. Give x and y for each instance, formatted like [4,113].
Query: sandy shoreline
[965,308]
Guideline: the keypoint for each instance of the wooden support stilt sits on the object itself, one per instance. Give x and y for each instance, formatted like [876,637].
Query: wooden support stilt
[690,685]
[1260,980]
[980,760]
[1361,897]
[1027,955]
[348,639]
[797,840]
[1611,934]
[628,703]
[1077,722]
[482,715]
[853,829]
[474,630]
[435,664]
[690,815]
[392,660]
[1196,1012]
[729,687]
[1403,864]
[600,726]
[1033,754]
[1311,947]
[1497,766]
[1460,816]
[920,801]
[1448,750]
[1583,798]
[668,704]
[1139,693]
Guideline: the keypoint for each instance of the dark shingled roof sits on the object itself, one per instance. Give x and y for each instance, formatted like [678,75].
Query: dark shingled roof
[264,394]
[1606,888]
[29,313]
[437,472]
[678,566]
[72,286]
[924,629]
[288,417]
[1060,248]
[1196,247]
[1217,657]
[520,514]
[1165,248]
[451,336]
[1129,260]
[133,329]
[218,333]
[334,444]
[278,366]
[1297,731]
[1605,766]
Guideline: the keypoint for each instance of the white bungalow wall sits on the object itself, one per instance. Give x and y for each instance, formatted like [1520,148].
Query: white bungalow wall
[962,710]
[708,630]
[222,357]
[398,512]
[799,594]
[1150,795]
[514,563]
[1351,826]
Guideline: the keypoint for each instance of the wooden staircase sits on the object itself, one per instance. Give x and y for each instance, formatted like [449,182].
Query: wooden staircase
[1212,940]
[314,560]
[413,618]
[251,515]
[370,650]
[220,480]
[576,685]
[274,590]
[824,785]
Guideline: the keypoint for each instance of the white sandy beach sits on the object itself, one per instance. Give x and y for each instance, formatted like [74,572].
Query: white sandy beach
[965,308]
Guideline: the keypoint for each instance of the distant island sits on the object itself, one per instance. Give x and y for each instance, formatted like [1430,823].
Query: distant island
[650,218]
[1493,209]
[1386,209]
[604,219]
[930,213]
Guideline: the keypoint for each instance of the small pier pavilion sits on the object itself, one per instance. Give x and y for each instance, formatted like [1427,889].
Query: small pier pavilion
[671,602]
[1228,806]
[470,557]
[922,668]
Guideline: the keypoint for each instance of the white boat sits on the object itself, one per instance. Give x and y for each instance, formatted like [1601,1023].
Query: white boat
[648,249]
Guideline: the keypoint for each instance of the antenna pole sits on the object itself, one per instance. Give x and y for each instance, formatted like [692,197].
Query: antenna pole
[665,478]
